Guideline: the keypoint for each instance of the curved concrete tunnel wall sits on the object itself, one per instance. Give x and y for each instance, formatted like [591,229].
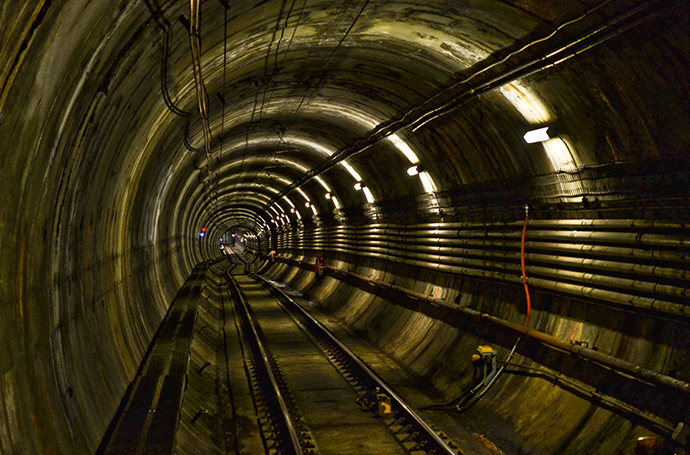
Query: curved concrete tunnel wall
[105,186]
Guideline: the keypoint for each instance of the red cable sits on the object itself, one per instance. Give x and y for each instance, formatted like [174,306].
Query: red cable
[522,263]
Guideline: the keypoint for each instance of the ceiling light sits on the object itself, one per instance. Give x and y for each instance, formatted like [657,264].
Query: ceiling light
[307,204]
[540,134]
[359,186]
[328,195]
[292,210]
[415,170]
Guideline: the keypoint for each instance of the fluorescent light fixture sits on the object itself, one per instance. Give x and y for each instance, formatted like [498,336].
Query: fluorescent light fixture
[368,195]
[352,171]
[328,195]
[414,170]
[303,194]
[404,148]
[359,186]
[323,183]
[427,182]
[540,135]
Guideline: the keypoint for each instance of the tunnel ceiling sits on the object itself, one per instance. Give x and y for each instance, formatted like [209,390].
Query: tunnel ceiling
[130,125]
[297,89]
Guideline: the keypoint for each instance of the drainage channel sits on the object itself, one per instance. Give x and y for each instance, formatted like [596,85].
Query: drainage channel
[366,392]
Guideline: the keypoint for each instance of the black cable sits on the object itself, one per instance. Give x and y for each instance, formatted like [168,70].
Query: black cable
[319,75]
[164,79]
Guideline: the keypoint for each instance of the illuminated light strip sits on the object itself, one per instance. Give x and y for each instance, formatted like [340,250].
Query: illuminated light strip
[303,194]
[289,201]
[313,209]
[335,202]
[427,182]
[404,148]
[368,195]
[323,184]
[352,171]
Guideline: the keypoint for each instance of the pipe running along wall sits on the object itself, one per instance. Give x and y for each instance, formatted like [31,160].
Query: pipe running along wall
[130,126]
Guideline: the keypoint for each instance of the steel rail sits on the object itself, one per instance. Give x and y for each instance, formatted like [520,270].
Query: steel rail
[426,437]
[263,364]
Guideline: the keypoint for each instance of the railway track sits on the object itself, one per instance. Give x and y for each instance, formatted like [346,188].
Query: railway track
[310,389]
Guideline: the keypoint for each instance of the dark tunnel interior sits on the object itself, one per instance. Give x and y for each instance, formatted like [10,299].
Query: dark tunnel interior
[442,156]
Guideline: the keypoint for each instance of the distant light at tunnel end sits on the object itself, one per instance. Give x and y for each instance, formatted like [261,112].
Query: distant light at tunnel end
[540,135]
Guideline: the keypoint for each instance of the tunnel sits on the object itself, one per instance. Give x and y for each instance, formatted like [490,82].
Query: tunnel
[504,173]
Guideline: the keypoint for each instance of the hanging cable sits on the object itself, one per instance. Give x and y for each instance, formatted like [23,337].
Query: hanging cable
[522,264]
[225,56]
[311,81]
[202,97]
[164,25]
[330,57]
[164,77]
[267,102]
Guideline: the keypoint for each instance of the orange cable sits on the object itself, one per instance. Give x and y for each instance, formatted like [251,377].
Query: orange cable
[522,263]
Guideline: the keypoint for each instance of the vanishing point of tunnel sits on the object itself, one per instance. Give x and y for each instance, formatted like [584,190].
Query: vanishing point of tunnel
[486,201]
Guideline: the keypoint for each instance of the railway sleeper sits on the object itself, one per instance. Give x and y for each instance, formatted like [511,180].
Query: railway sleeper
[410,445]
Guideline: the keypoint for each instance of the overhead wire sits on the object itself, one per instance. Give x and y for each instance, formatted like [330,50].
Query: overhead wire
[323,68]
[262,86]
[267,99]
[225,66]
[202,96]
[292,38]
[320,72]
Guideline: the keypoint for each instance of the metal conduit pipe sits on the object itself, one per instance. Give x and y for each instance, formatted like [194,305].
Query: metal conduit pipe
[627,267]
[588,277]
[581,351]
[492,271]
[613,266]
[617,236]
[592,251]
[626,238]
[560,224]
[453,228]
[459,256]
[581,223]
[642,239]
